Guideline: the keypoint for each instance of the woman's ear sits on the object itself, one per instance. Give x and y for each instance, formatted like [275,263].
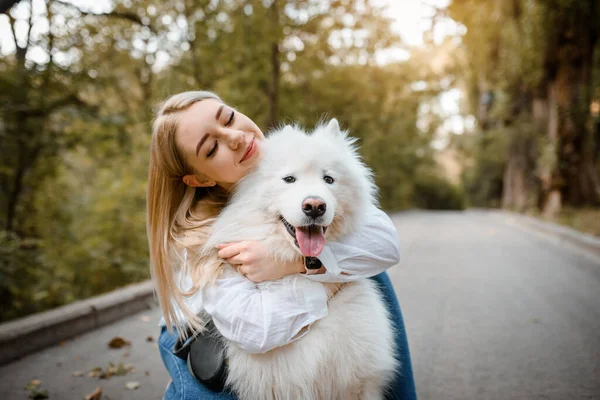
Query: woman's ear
[194,181]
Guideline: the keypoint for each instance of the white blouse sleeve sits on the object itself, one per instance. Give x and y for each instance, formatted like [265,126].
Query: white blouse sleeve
[259,318]
[370,250]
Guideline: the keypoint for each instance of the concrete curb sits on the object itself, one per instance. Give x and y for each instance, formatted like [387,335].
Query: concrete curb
[579,240]
[28,334]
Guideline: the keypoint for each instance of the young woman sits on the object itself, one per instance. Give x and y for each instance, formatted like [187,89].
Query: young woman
[200,148]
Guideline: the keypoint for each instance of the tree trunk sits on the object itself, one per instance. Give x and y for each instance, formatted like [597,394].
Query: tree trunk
[576,175]
[274,89]
[519,169]
[516,187]
[275,68]
[551,203]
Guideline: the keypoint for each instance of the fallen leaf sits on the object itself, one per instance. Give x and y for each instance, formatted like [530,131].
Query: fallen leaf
[33,387]
[149,339]
[119,369]
[132,385]
[39,395]
[118,342]
[77,373]
[95,395]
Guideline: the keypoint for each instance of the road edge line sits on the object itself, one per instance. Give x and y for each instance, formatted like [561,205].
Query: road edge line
[37,331]
[564,235]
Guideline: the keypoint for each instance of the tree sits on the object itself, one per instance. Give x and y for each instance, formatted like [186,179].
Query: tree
[530,77]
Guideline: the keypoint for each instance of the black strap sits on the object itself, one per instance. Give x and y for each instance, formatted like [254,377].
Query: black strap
[182,347]
[205,357]
[312,263]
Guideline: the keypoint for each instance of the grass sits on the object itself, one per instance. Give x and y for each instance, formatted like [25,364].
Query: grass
[585,220]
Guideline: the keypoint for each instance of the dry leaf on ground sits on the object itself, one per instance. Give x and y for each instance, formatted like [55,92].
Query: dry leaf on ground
[33,387]
[95,395]
[132,385]
[119,369]
[118,342]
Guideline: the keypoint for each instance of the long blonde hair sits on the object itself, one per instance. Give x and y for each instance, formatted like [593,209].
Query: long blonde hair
[179,217]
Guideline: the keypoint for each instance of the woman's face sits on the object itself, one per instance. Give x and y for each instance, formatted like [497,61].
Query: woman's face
[220,143]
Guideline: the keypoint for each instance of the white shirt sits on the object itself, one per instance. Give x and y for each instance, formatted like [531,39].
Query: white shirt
[262,317]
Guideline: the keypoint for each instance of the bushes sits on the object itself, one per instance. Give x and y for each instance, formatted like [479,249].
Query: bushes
[432,192]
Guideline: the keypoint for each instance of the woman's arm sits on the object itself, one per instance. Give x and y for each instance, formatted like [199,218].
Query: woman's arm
[259,318]
[370,250]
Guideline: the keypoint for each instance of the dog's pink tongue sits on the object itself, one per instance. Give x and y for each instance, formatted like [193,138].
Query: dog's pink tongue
[311,240]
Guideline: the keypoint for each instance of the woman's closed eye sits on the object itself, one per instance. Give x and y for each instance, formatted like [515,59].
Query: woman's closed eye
[212,151]
[231,117]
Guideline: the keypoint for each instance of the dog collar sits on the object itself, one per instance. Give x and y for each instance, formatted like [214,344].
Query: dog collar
[313,266]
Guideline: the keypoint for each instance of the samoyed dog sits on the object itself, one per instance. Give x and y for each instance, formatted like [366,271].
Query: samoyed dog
[306,189]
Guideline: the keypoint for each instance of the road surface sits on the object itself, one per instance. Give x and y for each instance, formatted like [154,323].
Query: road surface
[492,312]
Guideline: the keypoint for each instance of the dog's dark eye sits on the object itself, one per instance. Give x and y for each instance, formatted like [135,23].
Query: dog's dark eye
[289,179]
[328,179]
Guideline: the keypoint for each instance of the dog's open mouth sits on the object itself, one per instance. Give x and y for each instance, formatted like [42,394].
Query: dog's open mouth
[310,239]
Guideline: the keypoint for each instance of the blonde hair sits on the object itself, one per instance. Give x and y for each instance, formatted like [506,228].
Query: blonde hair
[179,217]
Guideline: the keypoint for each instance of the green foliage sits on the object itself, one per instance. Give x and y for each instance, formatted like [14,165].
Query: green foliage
[434,193]
[483,179]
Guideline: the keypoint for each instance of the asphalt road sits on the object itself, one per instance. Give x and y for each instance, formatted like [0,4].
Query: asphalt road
[492,312]
[495,312]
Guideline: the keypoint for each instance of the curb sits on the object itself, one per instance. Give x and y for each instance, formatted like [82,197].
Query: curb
[37,331]
[581,241]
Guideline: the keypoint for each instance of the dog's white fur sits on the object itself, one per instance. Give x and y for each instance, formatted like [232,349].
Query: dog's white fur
[350,353]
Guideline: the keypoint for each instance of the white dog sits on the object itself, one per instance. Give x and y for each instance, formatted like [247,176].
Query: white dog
[305,189]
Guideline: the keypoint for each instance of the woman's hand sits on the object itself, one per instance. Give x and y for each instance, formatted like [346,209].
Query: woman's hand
[251,259]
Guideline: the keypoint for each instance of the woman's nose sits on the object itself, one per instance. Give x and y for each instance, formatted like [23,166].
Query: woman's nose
[235,138]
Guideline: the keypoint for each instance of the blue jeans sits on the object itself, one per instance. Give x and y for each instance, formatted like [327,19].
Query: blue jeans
[185,387]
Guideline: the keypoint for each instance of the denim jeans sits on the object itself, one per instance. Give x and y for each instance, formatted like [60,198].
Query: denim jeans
[184,386]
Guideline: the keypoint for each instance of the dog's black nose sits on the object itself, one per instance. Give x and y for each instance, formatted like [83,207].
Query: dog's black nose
[314,207]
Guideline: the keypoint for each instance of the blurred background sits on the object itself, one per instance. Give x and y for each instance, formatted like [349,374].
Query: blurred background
[464,103]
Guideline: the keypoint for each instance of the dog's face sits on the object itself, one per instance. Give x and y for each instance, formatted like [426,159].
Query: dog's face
[306,201]
[305,189]
[316,185]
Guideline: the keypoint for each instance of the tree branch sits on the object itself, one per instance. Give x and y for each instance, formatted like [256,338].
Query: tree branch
[129,16]
[29,27]
[12,29]
[50,65]
[69,100]
[6,5]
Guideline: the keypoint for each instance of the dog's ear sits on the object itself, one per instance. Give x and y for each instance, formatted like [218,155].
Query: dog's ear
[287,130]
[334,127]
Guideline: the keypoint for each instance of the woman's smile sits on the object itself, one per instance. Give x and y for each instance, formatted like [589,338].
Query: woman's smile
[250,150]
